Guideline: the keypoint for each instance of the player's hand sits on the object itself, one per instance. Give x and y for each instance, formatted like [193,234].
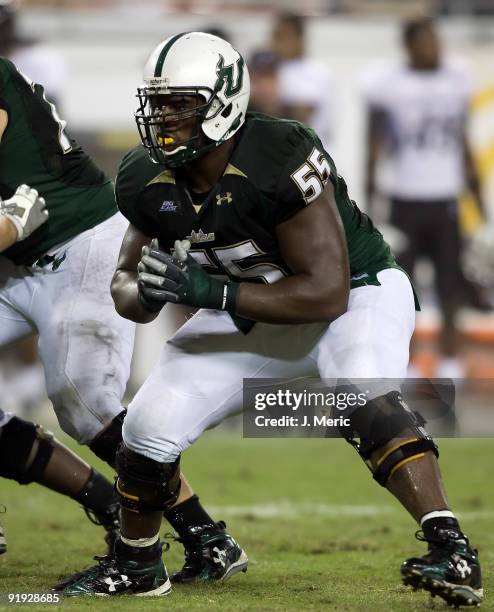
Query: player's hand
[155,288]
[169,278]
[26,210]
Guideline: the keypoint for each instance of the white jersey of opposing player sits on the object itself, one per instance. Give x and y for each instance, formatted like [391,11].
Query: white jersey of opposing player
[307,81]
[45,66]
[424,114]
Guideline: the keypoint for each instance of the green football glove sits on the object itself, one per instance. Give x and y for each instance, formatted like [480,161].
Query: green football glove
[180,279]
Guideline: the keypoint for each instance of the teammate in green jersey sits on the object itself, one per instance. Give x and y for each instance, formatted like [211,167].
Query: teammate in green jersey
[47,280]
[27,452]
[291,279]
[47,285]
[30,300]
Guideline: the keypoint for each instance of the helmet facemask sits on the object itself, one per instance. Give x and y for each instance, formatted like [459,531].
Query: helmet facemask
[154,125]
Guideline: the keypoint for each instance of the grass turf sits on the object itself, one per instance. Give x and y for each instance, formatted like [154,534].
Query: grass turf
[320,534]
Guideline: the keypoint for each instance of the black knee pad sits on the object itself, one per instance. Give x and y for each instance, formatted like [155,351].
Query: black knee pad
[25,450]
[146,485]
[105,445]
[382,420]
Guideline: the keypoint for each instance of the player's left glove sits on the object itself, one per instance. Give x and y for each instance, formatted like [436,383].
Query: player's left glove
[26,210]
[171,279]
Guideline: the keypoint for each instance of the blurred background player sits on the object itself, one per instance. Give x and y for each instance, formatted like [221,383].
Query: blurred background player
[28,453]
[42,64]
[417,118]
[265,95]
[306,88]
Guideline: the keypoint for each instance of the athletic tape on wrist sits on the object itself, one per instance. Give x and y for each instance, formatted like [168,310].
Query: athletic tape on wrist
[230,293]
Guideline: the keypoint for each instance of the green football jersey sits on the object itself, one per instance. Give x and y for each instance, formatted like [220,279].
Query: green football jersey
[276,169]
[36,150]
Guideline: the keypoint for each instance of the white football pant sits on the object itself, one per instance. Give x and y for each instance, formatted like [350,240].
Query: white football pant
[198,380]
[84,345]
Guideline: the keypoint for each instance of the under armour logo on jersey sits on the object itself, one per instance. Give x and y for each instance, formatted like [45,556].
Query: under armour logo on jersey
[224,198]
[463,568]
[169,206]
[114,584]
[221,558]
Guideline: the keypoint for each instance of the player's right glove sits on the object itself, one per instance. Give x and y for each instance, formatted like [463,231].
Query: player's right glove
[154,290]
[26,210]
[180,279]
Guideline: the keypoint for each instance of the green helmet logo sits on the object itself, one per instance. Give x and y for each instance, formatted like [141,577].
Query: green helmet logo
[226,75]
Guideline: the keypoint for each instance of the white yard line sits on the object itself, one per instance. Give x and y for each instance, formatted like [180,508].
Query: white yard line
[287,509]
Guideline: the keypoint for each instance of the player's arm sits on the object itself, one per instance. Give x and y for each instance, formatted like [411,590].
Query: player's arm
[124,286]
[312,243]
[8,233]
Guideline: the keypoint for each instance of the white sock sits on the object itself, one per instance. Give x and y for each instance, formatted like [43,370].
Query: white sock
[141,542]
[437,514]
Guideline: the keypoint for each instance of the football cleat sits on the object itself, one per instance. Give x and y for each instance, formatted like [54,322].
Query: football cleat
[450,569]
[113,576]
[109,519]
[210,554]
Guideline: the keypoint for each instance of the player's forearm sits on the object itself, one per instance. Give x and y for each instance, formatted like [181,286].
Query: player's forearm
[296,299]
[8,233]
[125,296]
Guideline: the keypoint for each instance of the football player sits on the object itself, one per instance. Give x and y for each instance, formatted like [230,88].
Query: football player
[418,120]
[28,453]
[49,250]
[56,282]
[291,279]
[48,282]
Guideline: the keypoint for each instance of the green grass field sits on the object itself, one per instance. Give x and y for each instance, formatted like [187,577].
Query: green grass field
[320,534]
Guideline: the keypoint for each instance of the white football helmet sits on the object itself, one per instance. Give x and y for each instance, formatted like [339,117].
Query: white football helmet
[195,64]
